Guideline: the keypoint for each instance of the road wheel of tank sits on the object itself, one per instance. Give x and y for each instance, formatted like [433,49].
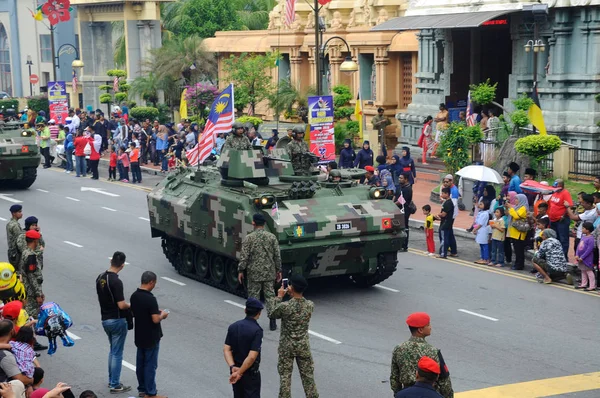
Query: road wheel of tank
[231,275]
[187,259]
[201,264]
[217,268]
[24,183]
[170,250]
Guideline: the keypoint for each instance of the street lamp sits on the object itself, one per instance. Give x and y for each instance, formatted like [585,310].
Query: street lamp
[537,45]
[348,66]
[29,64]
[77,63]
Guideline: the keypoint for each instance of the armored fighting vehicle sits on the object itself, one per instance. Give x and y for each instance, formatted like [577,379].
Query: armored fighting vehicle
[324,228]
[19,156]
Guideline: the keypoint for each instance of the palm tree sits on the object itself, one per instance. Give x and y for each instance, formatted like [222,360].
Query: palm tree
[254,14]
[184,57]
[146,87]
[120,50]
[287,96]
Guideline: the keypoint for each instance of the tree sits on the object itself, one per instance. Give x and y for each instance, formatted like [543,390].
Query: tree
[286,96]
[250,74]
[146,87]
[254,14]
[199,96]
[200,17]
[183,58]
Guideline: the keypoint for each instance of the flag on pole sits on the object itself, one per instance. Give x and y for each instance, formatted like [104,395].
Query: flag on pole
[471,116]
[290,12]
[220,120]
[275,212]
[74,82]
[535,112]
[183,105]
[358,114]
[116,84]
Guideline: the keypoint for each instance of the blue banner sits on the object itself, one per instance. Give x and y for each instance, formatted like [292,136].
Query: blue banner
[320,110]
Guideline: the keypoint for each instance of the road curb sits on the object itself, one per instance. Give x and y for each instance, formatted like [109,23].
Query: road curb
[460,232]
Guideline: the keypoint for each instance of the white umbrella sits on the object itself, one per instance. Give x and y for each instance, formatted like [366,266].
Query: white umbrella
[480,173]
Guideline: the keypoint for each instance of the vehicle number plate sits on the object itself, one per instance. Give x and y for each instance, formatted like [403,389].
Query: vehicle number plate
[342,226]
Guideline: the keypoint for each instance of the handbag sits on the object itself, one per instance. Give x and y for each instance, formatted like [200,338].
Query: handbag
[411,208]
[87,150]
[521,225]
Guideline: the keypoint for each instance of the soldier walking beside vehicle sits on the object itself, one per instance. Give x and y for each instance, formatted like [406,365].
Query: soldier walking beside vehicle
[261,259]
[294,344]
[407,355]
[13,230]
[242,352]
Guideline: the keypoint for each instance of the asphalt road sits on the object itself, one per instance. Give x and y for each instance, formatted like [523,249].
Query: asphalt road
[493,328]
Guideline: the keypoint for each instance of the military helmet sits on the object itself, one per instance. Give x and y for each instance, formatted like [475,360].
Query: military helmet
[335,173]
[248,126]
[237,125]
[298,130]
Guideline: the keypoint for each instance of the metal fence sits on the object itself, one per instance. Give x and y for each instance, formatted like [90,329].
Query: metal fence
[546,166]
[584,164]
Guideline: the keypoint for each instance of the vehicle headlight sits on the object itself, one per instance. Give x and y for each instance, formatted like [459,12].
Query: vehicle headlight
[377,193]
[264,201]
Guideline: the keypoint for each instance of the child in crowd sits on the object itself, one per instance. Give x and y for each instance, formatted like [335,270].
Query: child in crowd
[22,348]
[112,164]
[541,224]
[124,160]
[134,163]
[172,159]
[498,235]
[482,231]
[542,210]
[429,230]
[585,258]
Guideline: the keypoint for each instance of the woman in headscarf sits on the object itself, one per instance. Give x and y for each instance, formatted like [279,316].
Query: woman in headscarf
[489,193]
[408,165]
[347,155]
[516,209]
[395,167]
[388,183]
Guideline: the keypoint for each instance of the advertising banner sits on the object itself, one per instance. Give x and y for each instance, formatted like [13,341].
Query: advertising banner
[59,104]
[320,118]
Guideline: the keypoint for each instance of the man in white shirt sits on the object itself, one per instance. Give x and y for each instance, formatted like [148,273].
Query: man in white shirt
[589,214]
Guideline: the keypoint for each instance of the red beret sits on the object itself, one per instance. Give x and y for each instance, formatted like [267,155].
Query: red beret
[429,365]
[418,320]
[12,310]
[370,169]
[32,234]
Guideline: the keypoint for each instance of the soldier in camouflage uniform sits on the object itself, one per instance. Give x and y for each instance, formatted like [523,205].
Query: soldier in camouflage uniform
[32,274]
[31,224]
[261,259]
[406,356]
[13,230]
[293,341]
[297,150]
[237,140]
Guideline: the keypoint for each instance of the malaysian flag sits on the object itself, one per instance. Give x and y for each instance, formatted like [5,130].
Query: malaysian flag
[74,82]
[219,121]
[116,84]
[290,12]
[275,212]
[471,115]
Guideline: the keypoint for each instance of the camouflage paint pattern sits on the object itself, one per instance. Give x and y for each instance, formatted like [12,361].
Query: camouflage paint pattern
[336,231]
[19,154]
[252,164]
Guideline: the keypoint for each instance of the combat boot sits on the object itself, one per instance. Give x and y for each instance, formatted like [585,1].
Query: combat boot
[272,324]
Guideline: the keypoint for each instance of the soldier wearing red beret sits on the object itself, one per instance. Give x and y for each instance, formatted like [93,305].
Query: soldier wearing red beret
[428,372]
[406,360]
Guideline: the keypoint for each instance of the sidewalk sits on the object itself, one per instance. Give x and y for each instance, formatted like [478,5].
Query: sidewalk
[150,168]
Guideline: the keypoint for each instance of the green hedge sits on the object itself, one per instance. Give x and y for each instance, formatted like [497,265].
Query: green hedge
[105,98]
[143,113]
[39,103]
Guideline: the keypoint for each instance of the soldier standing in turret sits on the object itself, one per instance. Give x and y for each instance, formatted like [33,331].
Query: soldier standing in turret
[261,259]
[237,140]
[297,150]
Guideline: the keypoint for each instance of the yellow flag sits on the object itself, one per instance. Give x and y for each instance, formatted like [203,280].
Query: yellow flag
[183,105]
[358,114]
[535,113]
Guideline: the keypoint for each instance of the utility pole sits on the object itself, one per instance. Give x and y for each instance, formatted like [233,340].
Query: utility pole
[318,50]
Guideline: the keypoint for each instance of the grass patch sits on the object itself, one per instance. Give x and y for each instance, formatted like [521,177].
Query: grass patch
[575,187]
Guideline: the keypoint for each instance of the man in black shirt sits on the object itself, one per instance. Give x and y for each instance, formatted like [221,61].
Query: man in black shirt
[407,192]
[242,352]
[114,310]
[147,334]
[446,218]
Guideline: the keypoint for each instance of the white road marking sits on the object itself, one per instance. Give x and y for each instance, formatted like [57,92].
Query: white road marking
[2,219]
[388,288]
[489,318]
[6,197]
[234,303]
[71,243]
[42,190]
[73,199]
[144,218]
[73,336]
[322,336]
[172,281]
[100,191]
[108,208]
[126,263]
[128,365]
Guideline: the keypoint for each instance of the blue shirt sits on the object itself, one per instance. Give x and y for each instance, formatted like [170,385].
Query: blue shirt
[244,336]
[418,390]
[161,144]
[515,184]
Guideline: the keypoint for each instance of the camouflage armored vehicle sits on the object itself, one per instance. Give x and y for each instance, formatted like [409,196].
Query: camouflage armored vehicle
[19,156]
[324,228]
